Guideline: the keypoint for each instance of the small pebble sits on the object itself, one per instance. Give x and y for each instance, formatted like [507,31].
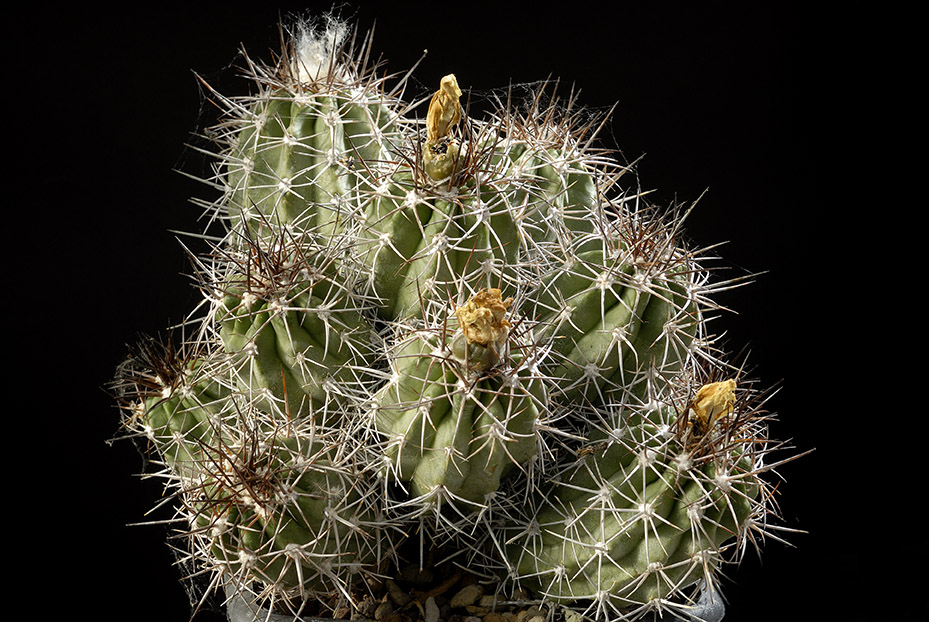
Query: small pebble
[396,594]
[572,616]
[415,574]
[530,614]
[432,610]
[467,595]
[367,606]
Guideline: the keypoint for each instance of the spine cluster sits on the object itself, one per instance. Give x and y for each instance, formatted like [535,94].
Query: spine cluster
[462,334]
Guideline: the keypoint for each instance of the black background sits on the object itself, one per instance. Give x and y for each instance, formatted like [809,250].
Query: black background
[746,100]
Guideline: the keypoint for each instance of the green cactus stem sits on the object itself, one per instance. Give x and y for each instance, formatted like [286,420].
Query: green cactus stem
[176,401]
[612,317]
[295,329]
[492,211]
[459,413]
[301,149]
[643,513]
[287,513]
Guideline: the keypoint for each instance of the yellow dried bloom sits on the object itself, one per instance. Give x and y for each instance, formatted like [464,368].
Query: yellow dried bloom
[482,318]
[713,401]
[444,110]
[441,150]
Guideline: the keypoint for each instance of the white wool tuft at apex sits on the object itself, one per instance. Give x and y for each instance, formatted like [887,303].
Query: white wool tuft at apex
[316,46]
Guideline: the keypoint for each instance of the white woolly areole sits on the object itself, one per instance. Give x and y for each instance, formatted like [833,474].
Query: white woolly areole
[316,46]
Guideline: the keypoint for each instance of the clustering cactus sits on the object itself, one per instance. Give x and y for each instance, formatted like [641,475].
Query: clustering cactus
[458,333]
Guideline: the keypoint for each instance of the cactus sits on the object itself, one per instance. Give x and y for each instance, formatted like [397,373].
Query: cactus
[609,314]
[647,507]
[289,514]
[266,497]
[294,329]
[460,329]
[459,411]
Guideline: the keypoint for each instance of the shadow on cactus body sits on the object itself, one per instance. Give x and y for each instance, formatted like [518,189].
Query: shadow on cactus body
[458,331]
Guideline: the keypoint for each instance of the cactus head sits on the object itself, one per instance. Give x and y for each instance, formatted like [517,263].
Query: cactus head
[287,512]
[658,498]
[293,326]
[459,413]
[266,500]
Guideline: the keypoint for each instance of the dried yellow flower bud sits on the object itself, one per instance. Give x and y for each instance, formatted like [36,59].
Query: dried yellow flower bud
[713,401]
[481,319]
[444,110]
[441,150]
